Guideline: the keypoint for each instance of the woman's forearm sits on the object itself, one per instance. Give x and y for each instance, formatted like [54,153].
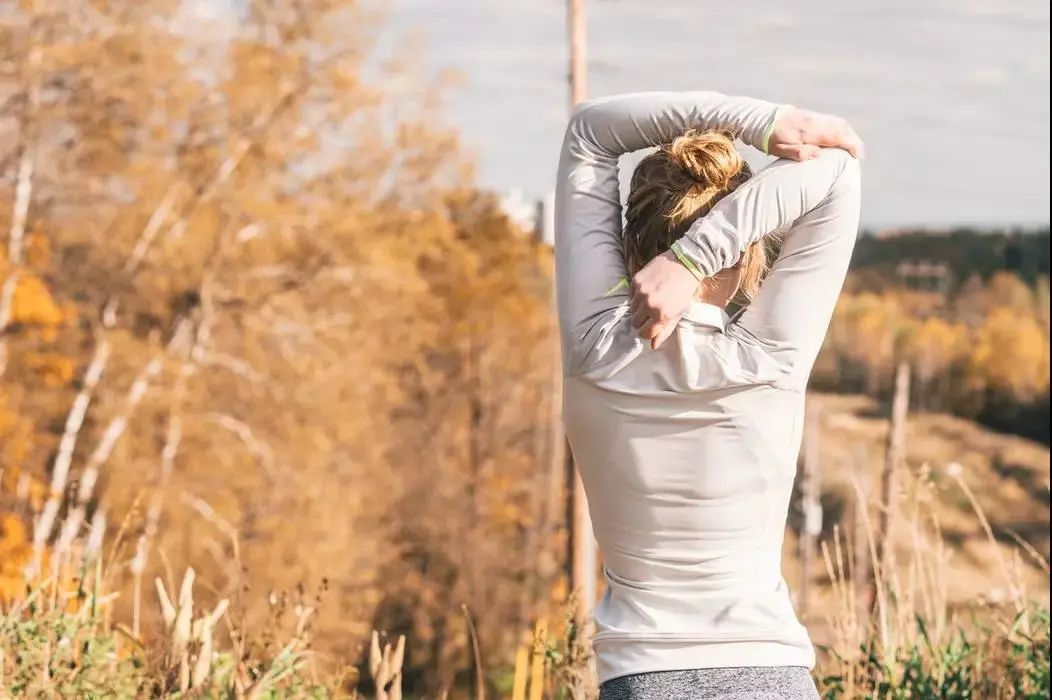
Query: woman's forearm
[782,194]
[612,126]
[589,257]
[771,201]
[588,251]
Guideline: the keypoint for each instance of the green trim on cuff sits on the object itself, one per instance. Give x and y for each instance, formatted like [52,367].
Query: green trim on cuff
[766,145]
[621,284]
[687,262]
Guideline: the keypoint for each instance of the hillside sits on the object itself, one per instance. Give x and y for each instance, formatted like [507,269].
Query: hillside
[1009,476]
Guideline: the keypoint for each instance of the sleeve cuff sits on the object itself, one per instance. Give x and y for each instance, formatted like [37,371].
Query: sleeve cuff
[677,250]
[765,146]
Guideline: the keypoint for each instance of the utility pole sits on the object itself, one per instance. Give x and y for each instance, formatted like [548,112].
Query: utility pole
[582,541]
[894,460]
[578,38]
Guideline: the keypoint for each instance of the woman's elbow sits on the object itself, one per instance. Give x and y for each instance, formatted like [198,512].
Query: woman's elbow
[580,138]
[848,169]
[579,126]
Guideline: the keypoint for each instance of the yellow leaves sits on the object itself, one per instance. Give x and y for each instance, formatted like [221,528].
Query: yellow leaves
[55,370]
[336,311]
[33,303]
[30,490]
[15,549]
[259,76]
[1007,291]
[935,345]
[15,542]
[1011,354]
[12,534]
[38,250]
[16,441]
[1011,347]
[993,337]
[870,324]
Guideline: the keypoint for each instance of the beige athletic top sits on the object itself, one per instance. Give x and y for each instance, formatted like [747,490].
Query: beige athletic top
[688,453]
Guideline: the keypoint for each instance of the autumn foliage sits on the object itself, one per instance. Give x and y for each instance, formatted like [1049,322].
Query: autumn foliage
[980,349]
[323,355]
[257,320]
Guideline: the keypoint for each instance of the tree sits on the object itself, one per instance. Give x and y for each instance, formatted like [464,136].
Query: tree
[324,353]
[1010,356]
[934,347]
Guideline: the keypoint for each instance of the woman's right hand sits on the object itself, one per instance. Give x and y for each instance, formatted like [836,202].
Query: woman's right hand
[660,293]
[799,134]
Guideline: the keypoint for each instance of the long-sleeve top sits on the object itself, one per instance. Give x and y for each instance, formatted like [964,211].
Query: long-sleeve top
[688,452]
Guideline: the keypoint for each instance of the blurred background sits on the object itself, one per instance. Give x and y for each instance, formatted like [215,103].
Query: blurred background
[278,365]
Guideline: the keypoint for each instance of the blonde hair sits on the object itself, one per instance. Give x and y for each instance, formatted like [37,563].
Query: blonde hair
[675,186]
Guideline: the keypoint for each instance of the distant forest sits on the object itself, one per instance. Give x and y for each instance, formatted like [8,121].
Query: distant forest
[968,309]
[965,251]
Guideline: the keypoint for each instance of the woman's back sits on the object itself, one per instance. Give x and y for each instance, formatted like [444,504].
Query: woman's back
[688,463]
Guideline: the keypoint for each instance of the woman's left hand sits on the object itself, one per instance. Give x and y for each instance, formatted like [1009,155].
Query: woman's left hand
[799,134]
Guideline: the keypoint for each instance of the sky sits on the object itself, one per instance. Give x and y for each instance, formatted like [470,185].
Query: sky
[951,96]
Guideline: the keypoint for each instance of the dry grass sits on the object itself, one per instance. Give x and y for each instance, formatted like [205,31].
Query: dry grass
[961,607]
[900,633]
[1010,475]
[59,636]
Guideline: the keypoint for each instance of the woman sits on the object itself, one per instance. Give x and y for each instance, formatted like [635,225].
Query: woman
[684,423]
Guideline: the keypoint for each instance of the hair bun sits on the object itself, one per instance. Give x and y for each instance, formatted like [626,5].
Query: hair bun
[709,157]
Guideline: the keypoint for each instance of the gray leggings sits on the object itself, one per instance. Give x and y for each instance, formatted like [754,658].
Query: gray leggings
[744,683]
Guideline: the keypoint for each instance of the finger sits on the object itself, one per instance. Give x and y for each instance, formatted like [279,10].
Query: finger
[786,151]
[800,151]
[858,149]
[646,331]
[846,138]
[635,299]
[851,143]
[640,316]
[663,334]
[809,151]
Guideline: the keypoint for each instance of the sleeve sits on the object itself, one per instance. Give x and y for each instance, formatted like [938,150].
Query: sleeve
[816,203]
[589,259]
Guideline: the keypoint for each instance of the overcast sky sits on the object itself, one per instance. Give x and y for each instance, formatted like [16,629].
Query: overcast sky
[951,96]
